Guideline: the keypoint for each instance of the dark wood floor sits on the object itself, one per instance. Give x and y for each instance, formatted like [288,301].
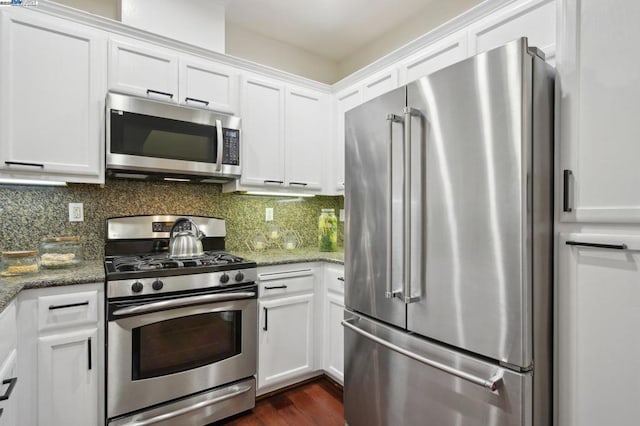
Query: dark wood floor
[315,403]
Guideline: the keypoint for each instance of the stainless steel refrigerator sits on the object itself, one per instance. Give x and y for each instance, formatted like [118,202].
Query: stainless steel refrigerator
[448,266]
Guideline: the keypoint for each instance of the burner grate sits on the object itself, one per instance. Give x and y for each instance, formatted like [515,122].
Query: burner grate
[162,262]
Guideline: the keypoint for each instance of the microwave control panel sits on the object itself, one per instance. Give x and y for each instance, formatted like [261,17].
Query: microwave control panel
[231,145]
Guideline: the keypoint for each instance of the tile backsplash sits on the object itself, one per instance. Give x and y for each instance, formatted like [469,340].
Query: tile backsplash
[28,214]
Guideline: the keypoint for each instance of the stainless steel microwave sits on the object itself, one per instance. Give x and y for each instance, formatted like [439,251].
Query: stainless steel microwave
[150,139]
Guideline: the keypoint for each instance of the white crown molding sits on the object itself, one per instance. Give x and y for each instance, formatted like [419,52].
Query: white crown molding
[459,22]
[117,27]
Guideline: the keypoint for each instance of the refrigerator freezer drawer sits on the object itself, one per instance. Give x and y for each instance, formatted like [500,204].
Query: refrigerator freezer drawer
[394,378]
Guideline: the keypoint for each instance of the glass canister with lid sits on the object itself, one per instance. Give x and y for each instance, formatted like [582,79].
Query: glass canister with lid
[16,263]
[328,230]
[60,252]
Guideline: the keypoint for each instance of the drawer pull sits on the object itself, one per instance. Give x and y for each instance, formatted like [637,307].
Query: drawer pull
[22,163]
[275,287]
[341,279]
[200,101]
[279,182]
[12,384]
[157,92]
[70,305]
[298,183]
[598,245]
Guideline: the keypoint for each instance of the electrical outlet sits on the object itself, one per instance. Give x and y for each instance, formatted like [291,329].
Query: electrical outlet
[268,214]
[76,212]
[341,215]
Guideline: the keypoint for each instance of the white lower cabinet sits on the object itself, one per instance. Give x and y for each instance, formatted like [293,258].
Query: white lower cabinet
[333,347]
[597,318]
[8,367]
[285,326]
[62,370]
[68,378]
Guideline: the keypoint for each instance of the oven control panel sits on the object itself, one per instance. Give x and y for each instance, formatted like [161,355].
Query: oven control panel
[157,285]
[166,226]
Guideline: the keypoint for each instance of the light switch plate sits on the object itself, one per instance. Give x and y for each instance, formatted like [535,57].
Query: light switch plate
[341,215]
[76,212]
[268,214]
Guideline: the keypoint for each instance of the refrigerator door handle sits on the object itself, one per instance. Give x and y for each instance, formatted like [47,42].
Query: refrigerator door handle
[491,383]
[407,294]
[389,291]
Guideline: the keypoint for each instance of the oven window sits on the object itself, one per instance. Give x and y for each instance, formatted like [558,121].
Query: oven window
[147,136]
[184,343]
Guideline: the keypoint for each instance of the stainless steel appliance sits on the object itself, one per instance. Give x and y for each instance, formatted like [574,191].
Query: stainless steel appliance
[449,247]
[181,332]
[149,139]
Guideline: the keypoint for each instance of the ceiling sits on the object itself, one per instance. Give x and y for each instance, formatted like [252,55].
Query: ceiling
[332,29]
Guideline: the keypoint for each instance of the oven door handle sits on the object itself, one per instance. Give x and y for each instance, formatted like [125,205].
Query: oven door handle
[193,407]
[184,301]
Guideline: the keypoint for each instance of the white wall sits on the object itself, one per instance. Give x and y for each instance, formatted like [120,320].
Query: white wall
[436,14]
[107,8]
[267,51]
[197,22]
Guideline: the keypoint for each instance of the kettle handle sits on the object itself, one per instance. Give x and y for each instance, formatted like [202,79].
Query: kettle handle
[196,231]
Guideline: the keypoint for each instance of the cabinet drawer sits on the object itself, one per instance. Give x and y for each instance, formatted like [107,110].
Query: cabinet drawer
[284,283]
[66,310]
[334,279]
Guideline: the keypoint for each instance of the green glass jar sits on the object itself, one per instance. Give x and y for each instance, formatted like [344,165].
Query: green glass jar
[328,230]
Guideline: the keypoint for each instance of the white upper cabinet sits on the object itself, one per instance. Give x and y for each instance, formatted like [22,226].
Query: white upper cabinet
[307,138]
[143,69]
[208,85]
[380,83]
[535,19]
[441,54]
[262,144]
[345,100]
[599,88]
[52,95]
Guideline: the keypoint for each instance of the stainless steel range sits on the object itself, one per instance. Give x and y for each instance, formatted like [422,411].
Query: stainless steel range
[181,331]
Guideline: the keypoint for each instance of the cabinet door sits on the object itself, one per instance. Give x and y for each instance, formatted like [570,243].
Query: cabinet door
[598,99]
[306,138]
[9,407]
[143,69]
[380,83]
[334,344]
[345,100]
[285,349]
[208,85]
[68,378]
[535,19]
[263,133]
[597,317]
[434,57]
[52,99]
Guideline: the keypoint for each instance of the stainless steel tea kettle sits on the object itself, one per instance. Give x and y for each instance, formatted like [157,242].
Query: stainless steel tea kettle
[185,243]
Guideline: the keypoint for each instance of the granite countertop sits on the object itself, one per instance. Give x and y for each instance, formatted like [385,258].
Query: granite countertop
[92,271]
[280,256]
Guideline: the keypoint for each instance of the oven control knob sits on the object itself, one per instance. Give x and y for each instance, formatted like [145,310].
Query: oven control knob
[157,285]
[239,276]
[136,287]
[224,278]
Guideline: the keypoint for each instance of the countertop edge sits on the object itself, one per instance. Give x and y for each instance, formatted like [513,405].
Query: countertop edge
[93,272]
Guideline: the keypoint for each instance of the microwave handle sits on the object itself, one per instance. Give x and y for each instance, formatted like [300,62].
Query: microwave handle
[220,144]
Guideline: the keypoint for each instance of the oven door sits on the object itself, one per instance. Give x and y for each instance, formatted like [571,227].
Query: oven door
[163,350]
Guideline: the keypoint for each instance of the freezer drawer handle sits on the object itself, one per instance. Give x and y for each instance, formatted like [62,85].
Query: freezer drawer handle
[182,302]
[492,383]
[598,245]
[196,406]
